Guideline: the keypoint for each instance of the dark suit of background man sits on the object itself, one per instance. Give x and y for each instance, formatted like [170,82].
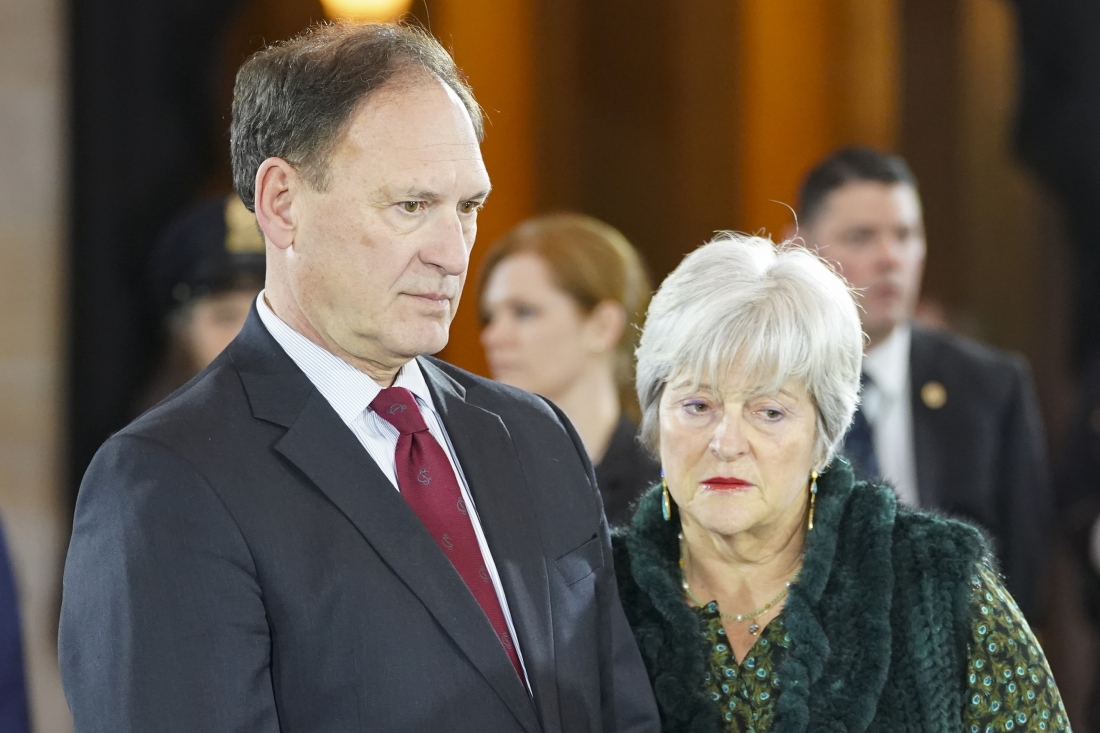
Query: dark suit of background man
[326,530]
[951,424]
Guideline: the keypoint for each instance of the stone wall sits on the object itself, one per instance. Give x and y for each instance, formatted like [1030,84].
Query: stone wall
[32,281]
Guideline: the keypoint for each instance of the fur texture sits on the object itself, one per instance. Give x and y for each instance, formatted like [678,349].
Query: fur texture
[879,619]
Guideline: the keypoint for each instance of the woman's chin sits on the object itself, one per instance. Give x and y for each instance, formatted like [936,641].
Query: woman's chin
[723,519]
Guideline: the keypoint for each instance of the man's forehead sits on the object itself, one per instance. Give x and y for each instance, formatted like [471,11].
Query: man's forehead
[872,202]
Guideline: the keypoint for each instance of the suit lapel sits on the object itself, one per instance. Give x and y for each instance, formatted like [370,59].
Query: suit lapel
[927,429]
[496,480]
[319,444]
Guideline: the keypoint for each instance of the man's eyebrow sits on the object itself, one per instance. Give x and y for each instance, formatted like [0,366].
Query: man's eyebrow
[424,194]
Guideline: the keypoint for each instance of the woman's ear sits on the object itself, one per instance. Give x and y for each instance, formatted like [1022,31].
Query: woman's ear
[277,183]
[604,326]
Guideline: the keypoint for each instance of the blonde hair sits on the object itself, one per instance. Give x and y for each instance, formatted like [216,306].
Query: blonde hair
[592,262]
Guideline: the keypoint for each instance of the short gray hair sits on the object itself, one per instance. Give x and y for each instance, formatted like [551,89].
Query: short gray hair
[777,312]
[294,100]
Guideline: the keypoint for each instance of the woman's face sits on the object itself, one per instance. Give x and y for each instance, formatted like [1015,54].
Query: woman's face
[737,463]
[535,336]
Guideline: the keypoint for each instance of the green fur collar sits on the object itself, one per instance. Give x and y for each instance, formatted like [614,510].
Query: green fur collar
[840,614]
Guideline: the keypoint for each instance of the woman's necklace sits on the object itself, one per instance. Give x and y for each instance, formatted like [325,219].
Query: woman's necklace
[754,628]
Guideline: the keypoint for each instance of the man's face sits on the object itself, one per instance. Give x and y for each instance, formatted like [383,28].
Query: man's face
[873,233]
[380,256]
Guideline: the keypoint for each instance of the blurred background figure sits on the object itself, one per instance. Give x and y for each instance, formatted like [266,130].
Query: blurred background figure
[206,270]
[14,717]
[951,424]
[562,298]
[1077,488]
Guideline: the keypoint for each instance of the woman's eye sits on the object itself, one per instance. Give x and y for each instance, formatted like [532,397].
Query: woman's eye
[771,413]
[411,207]
[525,311]
[695,408]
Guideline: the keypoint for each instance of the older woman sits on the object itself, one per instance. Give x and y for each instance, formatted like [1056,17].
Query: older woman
[767,590]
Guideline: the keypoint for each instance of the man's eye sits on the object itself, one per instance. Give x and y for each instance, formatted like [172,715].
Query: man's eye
[411,207]
[469,207]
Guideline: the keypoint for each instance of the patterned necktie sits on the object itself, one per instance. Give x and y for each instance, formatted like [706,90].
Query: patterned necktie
[859,445]
[428,483]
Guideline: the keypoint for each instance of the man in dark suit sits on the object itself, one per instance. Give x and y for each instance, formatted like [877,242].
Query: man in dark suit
[951,424]
[326,530]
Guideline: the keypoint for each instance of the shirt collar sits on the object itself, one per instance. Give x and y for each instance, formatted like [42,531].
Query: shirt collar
[347,389]
[888,363]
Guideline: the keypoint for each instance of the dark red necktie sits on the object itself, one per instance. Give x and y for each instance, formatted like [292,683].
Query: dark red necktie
[428,483]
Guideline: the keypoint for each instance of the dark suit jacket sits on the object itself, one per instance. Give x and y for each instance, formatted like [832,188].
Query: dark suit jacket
[981,456]
[14,717]
[625,472]
[239,563]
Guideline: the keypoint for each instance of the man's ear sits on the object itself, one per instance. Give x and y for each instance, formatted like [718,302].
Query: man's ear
[605,325]
[277,183]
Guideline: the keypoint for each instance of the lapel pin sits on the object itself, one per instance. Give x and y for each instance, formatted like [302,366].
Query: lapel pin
[933,395]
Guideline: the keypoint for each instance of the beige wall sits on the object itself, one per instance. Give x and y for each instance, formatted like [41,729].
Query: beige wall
[31,337]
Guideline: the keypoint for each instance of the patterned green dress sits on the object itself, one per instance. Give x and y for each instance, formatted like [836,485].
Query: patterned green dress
[1009,685]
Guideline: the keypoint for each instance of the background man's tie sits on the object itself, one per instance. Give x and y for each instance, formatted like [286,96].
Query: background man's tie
[428,483]
[859,445]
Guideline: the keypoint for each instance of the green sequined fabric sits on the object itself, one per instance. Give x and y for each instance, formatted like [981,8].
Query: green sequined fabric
[1009,685]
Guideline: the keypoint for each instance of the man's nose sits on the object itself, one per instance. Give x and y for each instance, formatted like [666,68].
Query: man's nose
[449,246]
[889,252]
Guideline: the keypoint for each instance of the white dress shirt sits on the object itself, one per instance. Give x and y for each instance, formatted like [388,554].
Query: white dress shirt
[888,407]
[350,393]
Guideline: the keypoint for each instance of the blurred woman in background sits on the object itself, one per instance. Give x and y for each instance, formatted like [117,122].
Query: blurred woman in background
[562,297]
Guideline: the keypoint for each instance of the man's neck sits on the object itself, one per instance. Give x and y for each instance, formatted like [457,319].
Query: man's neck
[288,313]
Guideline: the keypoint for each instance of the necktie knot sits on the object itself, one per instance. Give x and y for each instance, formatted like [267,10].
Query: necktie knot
[397,406]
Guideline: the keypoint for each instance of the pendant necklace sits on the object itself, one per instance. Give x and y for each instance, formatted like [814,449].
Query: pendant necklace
[754,628]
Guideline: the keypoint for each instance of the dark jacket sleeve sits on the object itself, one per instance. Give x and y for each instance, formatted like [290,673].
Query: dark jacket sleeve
[625,694]
[1028,503]
[162,621]
[13,689]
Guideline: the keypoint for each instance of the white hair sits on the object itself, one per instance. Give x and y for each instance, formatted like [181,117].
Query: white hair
[772,313]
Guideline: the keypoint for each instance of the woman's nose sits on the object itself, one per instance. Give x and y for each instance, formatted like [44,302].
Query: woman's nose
[729,442]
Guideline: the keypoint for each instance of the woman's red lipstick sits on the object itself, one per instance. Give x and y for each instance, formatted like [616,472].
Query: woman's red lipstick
[725,483]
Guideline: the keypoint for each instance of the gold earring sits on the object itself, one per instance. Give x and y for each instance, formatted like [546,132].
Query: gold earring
[666,499]
[813,499]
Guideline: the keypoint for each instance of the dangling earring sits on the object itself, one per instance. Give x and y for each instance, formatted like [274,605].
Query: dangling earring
[813,498]
[666,500]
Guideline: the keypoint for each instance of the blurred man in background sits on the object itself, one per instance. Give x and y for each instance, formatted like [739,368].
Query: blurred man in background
[951,424]
[205,272]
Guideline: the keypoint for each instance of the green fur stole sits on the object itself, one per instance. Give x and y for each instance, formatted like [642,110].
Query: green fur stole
[879,617]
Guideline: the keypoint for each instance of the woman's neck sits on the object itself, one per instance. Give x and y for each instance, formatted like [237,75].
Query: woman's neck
[743,569]
[592,405]
[746,576]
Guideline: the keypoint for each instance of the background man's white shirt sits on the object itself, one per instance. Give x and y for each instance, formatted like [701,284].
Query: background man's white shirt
[889,410]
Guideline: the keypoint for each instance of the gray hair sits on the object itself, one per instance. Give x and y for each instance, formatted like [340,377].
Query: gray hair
[294,100]
[775,313]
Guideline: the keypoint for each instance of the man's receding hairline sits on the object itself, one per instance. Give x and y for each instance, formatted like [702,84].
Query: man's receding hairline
[410,76]
[810,222]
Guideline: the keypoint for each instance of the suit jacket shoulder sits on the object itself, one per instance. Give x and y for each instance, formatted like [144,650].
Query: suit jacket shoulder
[984,370]
[980,450]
